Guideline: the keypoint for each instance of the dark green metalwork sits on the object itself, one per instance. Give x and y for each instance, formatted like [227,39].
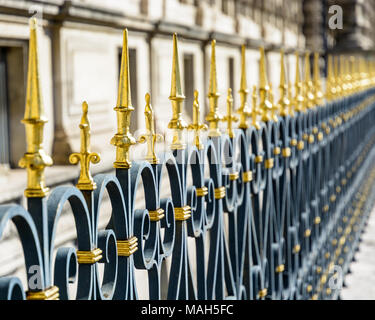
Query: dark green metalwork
[313,199]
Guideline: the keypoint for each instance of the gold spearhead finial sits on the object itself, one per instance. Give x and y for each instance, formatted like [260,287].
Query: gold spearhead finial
[337,77]
[298,98]
[254,110]
[244,111]
[284,103]
[123,139]
[342,76]
[176,97]
[150,137]
[317,82]
[35,159]
[85,157]
[230,118]
[309,86]
[331,81]
[264,104]
[197,126]
[213,117]
[348,76]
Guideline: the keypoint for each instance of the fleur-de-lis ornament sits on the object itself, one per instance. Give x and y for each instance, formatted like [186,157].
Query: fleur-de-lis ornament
[230,118]
[197,126]
[150,137]
[85,156]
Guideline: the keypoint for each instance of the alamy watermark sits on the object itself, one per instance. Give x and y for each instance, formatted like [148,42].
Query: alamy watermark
[336,17]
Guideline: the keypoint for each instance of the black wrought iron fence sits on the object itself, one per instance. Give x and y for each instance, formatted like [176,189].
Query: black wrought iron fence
[275,208]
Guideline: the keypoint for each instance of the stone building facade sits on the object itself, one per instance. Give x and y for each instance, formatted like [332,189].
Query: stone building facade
[80,45]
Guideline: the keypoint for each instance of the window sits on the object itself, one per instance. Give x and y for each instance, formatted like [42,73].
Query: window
[189,85]
[4,134]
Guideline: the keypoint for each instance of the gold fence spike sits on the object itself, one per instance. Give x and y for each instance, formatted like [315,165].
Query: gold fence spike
[254,110]
[290,98]
[35,159]
[177,123]
[85,180]
[298,98]
[123,139]
[354,73]
[331,81]
[197,126]
[337,77]
[318,93]
[230,118]
[284,103]
[244,111]
[275,109]
[348,76]
[151,137]
[342,76]
[308,84]
[265,106]
[213,117]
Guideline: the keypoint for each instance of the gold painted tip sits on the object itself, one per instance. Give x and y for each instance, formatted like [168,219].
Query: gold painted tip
[176,88]
[124,95]
[307,67]
[34,109]
[262,70]
[147,98]
[282,70]
[196,94]
[85,107]
[243,86]
[33,23]
[212,91]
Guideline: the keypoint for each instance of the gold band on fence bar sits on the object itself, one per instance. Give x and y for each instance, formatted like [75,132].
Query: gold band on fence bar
[126,248]
[258,159]
[182,214]
[89,257]
[202,192]
[52,293]
[269,163]
[263,293]
[286,152]
[296,249]
[156,215]
[234,176]
[247,176]
[280,268]
[220,193]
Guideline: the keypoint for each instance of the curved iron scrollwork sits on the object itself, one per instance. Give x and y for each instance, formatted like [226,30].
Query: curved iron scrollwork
[271,208]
